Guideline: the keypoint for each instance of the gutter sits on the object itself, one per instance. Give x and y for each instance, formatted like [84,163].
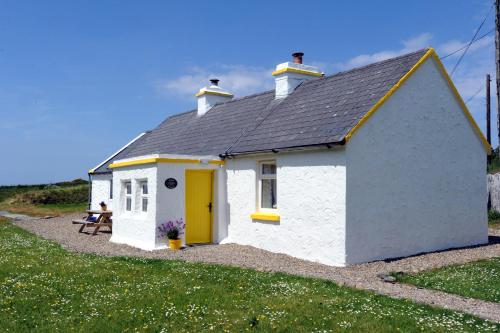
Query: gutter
[284,149]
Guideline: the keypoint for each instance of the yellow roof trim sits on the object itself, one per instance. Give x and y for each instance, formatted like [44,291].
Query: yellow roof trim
[265,216]
[91,171]
[216,93]
[297,71]
[476,128]
[427,55]
[161,160]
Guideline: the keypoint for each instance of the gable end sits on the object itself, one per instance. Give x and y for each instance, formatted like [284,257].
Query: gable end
[429,54]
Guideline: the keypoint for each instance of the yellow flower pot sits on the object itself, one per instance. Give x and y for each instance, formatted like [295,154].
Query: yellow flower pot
[174,244]
[104,208]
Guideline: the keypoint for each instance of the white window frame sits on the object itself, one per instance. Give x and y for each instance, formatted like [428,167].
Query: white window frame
[260,177]
[127,195]
[143,195]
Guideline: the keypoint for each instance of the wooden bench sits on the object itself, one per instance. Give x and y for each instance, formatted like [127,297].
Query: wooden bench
[104,219]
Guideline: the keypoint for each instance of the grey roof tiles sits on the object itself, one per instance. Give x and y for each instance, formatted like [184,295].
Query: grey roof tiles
[319,111]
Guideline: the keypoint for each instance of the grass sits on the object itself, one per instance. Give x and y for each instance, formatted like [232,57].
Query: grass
[480,279]
[10,191]
[44,210]
[45,199]
[44,288]
[493,218]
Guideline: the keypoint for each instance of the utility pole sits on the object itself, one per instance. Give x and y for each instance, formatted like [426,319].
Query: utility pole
[488,109]
[497,61]
[488,113]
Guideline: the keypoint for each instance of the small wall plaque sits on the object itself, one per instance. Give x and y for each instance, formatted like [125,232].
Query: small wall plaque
[171,183]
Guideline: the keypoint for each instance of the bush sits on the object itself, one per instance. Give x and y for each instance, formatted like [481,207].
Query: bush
[493,215]
[53,195]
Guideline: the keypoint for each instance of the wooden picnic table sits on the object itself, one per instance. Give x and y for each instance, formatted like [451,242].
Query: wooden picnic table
[104,219]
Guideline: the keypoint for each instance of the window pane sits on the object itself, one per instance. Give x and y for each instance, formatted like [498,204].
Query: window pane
[268,169]
[144,188]
[129,204]
[268,193]
[129,188]
[111,189]
[144,204]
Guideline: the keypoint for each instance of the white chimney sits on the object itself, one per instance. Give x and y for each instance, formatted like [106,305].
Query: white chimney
[210,95]
[289,75]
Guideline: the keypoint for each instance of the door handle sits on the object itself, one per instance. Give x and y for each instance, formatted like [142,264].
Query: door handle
[210,207]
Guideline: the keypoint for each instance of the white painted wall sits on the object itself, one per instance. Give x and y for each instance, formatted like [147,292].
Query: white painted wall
[311,203]
[135,228]
[416,175]
[101,184]
[171,202]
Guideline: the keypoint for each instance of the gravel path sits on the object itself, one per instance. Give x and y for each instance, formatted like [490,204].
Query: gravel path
[364,276]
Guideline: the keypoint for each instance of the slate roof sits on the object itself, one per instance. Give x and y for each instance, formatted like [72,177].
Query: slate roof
[104,168]
[319,111]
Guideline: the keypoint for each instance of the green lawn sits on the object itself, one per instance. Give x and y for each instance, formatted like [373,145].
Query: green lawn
[45,288]
[480,279]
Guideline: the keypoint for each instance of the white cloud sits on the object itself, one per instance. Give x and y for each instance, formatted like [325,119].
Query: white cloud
[239,80]
[409,45]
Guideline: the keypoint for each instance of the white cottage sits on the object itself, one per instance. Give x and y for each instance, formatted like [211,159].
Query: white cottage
[376,162]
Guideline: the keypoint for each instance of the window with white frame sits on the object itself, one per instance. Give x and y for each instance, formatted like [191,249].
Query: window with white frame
[267,185]
[144,195]
[128,196]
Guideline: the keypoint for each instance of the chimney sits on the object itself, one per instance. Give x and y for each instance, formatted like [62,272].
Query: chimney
[210,95]
[289,75]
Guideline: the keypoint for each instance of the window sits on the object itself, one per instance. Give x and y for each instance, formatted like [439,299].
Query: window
[267,185]
[111,188]
[144,196]
[128,196]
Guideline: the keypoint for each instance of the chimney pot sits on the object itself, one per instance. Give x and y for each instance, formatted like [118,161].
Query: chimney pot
[297,57]
[289,75]
[214,82]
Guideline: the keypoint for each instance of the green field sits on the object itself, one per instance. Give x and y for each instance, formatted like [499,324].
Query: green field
[44,288]
[480,279]
[45,199]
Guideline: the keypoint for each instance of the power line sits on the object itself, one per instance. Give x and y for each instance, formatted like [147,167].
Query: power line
[471,41]
[474,95]
[463,47]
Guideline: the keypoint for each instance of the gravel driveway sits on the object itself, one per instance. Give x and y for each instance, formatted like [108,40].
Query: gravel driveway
[363,276]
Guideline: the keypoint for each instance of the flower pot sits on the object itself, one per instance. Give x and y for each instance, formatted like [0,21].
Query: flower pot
[104,207]
[174,244]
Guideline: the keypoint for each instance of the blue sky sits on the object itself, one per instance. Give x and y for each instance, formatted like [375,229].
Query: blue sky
[78,79]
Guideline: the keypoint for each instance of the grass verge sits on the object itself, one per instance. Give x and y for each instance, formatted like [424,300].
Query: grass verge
[480,279]
[44,288]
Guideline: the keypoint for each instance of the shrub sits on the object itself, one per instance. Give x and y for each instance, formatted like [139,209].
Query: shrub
[493,215]
[53,195]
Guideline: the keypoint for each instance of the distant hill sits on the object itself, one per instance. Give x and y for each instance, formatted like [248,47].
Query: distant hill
[21,193]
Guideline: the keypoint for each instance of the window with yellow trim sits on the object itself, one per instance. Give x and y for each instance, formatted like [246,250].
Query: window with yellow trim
[268,195]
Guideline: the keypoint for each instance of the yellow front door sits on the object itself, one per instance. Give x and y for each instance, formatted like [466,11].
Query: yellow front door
[198,206]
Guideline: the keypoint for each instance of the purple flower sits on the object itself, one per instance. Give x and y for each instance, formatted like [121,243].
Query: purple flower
[171,229]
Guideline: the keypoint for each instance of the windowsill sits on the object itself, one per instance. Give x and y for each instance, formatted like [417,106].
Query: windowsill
[265,216]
